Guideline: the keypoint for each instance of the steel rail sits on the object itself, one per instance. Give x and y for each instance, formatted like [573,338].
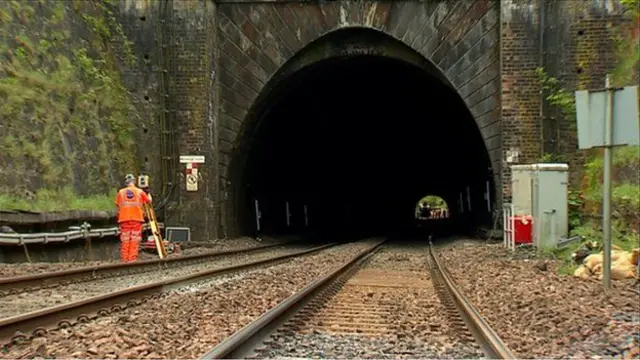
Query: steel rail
[38,322]
[26,283]
[490,342]
[242,341]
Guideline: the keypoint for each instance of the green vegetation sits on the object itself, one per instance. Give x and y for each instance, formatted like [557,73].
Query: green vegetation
[435,202]
[60,200]
[628,48]
[66,119]
[585,202]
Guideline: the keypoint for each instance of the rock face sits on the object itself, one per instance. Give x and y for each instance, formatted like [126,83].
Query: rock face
[73,83]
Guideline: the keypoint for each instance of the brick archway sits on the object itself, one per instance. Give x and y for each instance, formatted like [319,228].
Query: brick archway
[460,40]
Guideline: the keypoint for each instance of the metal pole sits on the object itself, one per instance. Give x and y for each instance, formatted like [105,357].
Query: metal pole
[257,215]
[606,188]
[505,226]
[488,197]
[288,215]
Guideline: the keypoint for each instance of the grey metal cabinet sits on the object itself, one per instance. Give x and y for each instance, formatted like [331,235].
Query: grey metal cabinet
[540,190]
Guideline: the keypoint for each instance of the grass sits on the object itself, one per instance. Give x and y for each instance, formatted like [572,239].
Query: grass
[59,200]
[568,267]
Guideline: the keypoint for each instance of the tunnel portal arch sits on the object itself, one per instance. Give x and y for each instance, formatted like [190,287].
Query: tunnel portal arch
[336,45]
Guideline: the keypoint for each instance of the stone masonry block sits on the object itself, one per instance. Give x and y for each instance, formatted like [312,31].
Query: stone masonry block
[485,27]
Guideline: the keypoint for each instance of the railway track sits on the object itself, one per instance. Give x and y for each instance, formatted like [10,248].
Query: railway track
[30,283]
[96,283]
[24,327]
[367,311]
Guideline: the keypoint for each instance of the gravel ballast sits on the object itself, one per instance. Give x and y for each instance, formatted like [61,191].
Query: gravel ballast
[389,309]
[541,314]
[189,322]
[12,305]
[9,270]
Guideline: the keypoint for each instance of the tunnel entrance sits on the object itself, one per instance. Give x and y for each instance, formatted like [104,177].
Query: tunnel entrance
[344,145]
[431,207]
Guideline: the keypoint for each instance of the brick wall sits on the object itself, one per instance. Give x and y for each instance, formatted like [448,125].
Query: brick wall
[192,50]
[225,54]
[520,85]
[579,51]
[174,85]
[576,48]
[140,22]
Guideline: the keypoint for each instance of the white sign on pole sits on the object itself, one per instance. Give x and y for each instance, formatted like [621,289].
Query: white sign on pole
[591,111]
[607,118]
[198,159]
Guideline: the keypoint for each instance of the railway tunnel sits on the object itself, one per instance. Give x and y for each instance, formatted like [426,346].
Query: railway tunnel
[347,144]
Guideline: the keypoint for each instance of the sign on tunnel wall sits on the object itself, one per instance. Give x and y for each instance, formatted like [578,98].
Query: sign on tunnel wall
[359,50]
[191,171]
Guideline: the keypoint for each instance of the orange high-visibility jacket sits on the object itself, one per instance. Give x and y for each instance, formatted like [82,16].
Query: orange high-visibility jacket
[129,201]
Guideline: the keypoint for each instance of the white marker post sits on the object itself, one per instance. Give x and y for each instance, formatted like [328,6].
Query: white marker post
[607,118]
[488,197]
[288,215]
[258,215]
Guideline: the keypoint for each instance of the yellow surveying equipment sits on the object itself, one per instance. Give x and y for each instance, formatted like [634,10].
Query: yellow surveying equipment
[143,181]
[155,231]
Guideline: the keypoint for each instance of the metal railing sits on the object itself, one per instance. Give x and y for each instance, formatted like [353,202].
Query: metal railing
[508,220]
[80,232]
[564,241]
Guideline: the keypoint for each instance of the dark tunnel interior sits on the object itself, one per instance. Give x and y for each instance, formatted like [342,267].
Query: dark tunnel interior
[359,141]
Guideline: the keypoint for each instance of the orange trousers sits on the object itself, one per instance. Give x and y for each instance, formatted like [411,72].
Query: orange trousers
[130,238]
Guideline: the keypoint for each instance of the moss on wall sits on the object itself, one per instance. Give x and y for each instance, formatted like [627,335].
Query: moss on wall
[65,116]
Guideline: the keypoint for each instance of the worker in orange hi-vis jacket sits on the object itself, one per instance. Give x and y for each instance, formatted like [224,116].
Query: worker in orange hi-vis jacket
[129,201]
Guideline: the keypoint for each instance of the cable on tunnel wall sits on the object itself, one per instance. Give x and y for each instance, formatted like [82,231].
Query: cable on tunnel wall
[541,66]
[162,90]
[167,114]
